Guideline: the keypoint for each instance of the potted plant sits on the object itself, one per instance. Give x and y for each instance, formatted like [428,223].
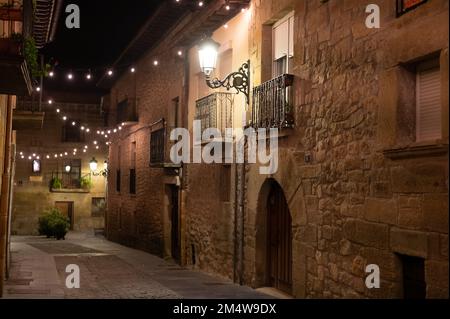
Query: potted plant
[55,183]
[86,182]
[53,224]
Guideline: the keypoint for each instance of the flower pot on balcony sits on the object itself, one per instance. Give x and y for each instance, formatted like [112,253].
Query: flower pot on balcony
[9,47]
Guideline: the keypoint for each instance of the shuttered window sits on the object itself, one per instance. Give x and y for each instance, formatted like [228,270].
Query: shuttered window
[428,104]
[283,44]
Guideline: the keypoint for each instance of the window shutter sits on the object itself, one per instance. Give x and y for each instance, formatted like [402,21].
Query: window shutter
[281,40]
[428,105]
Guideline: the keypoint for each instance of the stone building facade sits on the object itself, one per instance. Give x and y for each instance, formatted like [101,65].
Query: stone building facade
[52,146]
[362,176]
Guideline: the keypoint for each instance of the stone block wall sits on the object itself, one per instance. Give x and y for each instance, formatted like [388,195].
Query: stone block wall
[361,204]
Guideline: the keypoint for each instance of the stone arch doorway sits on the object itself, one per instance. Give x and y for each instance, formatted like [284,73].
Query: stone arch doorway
[274,238]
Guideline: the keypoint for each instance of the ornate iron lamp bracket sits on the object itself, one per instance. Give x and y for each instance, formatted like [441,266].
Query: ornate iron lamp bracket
[239,80]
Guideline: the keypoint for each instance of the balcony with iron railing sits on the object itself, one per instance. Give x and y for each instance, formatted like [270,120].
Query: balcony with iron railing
[72,182]
[15,21]
[272,105]
[216,111]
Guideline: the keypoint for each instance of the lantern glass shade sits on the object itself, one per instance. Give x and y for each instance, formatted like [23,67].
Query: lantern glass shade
[93,164]
[207,53]
[67,168]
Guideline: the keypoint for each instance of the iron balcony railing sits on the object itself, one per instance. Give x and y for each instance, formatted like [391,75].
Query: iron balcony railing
[157,143]
[215,111]
[272,103]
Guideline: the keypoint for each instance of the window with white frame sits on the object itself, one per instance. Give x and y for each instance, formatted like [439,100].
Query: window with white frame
[428,102]
[283,45]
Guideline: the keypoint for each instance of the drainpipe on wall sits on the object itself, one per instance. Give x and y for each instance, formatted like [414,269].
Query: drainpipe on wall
[4,198]
[183,173]
[10,204]
[239,219]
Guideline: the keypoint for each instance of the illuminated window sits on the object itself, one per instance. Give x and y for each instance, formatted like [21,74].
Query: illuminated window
[36,166]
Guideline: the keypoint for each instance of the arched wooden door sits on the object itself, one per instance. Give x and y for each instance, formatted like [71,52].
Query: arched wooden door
[279,237]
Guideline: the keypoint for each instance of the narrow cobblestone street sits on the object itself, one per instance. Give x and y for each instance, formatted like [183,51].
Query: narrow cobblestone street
[107,270]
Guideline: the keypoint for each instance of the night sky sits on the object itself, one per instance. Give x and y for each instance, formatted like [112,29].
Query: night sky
[106,29]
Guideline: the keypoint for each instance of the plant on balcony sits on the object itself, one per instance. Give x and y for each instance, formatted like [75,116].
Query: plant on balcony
[53,224]
[55,183]
[30,53]
[86,182]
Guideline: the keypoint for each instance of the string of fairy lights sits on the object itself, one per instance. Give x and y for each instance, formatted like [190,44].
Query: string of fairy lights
[102,133]
[89,74]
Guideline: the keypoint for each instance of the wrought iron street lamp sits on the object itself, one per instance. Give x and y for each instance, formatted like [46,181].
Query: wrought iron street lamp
[240,80]
[93,165]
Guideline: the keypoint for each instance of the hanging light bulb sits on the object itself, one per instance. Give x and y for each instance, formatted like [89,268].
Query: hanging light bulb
[70,76]
[132,70]
[110,72]
[88,76]
[38,89]
[73,123]
[88,130]
[64,118]
[51,74]
[50,102]
[57,110]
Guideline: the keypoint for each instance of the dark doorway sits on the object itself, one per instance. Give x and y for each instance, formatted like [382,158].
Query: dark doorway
[413,271]
[175,222]
[66,208]
[279,237]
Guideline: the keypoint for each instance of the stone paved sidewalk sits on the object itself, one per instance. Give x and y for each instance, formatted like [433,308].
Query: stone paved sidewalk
[108,270]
